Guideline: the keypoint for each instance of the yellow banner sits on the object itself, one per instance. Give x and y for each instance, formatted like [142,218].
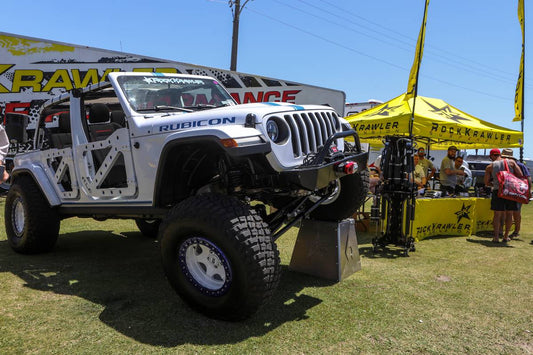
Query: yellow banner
[451,216]
[519,92]
[413,75]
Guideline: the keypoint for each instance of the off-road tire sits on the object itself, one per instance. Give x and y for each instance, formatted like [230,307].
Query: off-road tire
[352,195]
[148,227]
[232,238]
[32,226]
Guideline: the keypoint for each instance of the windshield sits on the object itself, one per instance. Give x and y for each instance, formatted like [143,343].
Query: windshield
[160,93]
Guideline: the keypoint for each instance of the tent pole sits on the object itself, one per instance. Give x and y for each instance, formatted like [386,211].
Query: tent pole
[418,60]
[523,81]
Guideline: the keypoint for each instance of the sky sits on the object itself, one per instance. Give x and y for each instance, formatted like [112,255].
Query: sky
[364,48]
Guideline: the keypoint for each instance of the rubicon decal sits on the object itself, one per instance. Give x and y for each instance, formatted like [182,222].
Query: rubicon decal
[193,124]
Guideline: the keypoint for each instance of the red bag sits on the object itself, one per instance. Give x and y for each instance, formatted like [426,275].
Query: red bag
[511,187]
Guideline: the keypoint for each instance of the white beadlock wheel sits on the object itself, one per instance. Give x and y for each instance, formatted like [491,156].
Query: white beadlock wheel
[17,218]
[32,226]
[205,264]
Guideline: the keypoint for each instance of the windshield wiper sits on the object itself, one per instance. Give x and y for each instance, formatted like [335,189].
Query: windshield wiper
[201,106]
[164,108]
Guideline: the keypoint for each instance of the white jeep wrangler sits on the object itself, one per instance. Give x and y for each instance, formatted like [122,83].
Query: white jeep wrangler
[175,153]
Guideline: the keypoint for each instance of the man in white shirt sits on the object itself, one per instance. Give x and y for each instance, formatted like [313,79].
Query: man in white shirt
[463,181]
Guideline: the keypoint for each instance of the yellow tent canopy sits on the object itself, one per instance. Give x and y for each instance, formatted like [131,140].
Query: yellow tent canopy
[435,122]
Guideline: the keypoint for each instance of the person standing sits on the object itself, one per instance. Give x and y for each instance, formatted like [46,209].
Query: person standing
[4,146]
[463,181]
[419,173]
[517,215]
[448,172]
[503,209]
[426,163]
[376,165]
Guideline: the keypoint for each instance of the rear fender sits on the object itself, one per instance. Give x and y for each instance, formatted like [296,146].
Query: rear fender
[41,180]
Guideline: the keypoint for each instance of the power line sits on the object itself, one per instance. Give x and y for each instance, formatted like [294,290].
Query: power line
[327,40]
[371,56]
[408,47]
[452,55]
[438,55]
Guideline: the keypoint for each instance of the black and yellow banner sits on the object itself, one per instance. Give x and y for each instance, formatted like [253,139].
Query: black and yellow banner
[519,93]
[413,75]
[451,216]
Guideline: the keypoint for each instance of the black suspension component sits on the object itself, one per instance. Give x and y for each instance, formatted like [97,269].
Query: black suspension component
[397,194]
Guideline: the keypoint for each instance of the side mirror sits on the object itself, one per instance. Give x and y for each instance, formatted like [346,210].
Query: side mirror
[16,125]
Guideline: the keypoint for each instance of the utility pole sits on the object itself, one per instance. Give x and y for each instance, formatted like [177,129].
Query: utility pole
[236,9]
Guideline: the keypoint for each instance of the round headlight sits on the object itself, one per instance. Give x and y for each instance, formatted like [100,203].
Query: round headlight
[272,130]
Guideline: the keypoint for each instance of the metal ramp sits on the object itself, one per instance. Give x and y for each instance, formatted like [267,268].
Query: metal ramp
[327,250]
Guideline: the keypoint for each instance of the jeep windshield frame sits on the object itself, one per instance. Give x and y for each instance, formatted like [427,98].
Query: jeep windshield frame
[156,93]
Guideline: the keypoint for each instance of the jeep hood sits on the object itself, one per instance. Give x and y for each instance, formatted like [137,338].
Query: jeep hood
[165,122]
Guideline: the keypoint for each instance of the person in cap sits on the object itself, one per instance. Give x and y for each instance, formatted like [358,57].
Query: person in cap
[426,163]
[517,215]
[448,172]
[503,209]
[376,165]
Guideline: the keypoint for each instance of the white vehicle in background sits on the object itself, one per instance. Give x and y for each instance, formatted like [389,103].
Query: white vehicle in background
[180,157]
[356,107]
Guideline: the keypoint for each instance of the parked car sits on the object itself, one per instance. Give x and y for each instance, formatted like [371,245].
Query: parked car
[477,165]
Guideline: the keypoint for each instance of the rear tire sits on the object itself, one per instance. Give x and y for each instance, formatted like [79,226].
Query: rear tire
[219,256]
[352,193]
[148,227]
[32,226]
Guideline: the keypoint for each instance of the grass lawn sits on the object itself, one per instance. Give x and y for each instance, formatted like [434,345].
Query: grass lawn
[102,290]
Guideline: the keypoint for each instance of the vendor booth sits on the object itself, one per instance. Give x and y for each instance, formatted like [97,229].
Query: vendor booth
[437,125]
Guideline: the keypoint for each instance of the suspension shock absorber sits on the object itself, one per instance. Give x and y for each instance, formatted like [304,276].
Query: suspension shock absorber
[234,179]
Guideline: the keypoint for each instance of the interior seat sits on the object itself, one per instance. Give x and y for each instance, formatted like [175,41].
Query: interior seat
[100,124]
[118,118]
[101,127]
[63,138]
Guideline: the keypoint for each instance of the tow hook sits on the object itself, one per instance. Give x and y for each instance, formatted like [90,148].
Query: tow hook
[348,167]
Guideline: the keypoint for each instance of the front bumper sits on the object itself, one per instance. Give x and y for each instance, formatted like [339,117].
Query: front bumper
[324,168]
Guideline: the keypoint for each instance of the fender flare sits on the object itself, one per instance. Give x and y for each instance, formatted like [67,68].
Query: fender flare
[41,180]
[261,147]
